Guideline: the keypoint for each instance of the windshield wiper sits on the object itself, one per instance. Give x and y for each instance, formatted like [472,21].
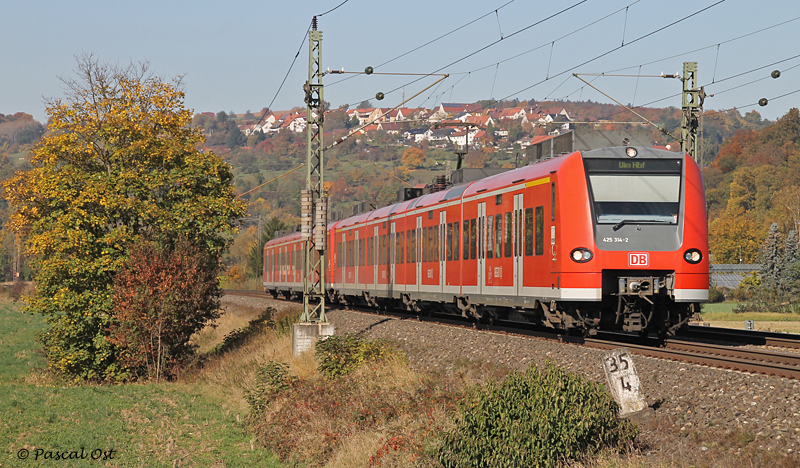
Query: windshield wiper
[648,221]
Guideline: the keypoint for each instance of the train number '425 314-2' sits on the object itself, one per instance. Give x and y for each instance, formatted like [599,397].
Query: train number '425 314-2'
[615,239]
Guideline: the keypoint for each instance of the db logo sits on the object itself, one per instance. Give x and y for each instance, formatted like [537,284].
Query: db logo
[638,259]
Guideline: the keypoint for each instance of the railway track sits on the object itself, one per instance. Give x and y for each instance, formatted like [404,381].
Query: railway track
[714,355]
[760,338]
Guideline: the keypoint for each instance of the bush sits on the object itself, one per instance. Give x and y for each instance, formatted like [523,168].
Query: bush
[534,418]
[165,292]
[271,380]
[340,355]
[715,294]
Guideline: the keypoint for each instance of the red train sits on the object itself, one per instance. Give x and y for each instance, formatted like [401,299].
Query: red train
[612,239]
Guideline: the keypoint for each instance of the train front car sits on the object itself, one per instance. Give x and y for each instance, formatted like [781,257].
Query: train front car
[650,236]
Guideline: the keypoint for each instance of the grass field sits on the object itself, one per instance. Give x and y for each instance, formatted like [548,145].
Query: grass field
[722,315]
[186,423]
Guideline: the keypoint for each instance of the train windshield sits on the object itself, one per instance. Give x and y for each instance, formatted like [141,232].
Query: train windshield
[637,197]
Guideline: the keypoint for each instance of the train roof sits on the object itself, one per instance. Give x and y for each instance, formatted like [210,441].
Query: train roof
[504,179]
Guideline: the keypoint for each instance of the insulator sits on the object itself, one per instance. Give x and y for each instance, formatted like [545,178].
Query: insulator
[775,73]
[763,102]
[368,70]
[306,214]
[379,96]
[321,223]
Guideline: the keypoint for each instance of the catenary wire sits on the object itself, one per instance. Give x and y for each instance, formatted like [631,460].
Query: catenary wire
[299,49]
[428,43]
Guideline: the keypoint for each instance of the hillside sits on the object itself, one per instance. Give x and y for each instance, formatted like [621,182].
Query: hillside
[750,164]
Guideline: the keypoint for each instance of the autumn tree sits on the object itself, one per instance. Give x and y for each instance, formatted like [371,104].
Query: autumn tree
[120,158]
[413,157]
[734,237]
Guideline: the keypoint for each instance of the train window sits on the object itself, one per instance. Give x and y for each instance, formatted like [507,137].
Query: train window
[507,236]
[429,244]
[396,247]
[361,254]
[455,240]
[490,235]
[636,197]
[498,237]
[436,243]
[412,246]
[430,214]
[449,242]
[402,247]
[539,230]
[384,250]
[529,232]
[424,244]
[473,240]
[408,246]
[481,237]
[518,233]
[466,239]
[553,201]
[498,200]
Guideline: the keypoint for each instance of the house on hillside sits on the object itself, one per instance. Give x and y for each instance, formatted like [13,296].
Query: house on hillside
[441,136]
[417,134]
[480,120]
[449,110]
[404,113]
[461,138]
[392,128]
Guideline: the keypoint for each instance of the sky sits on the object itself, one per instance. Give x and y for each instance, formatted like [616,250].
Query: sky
[233,55]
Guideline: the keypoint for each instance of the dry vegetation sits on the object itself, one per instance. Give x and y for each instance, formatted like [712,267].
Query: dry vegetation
[382,414]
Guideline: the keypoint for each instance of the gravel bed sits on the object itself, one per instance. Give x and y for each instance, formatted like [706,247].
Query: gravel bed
[702,415]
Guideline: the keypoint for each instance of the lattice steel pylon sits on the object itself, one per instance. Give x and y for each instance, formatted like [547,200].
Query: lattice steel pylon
[692,106]
[314,204]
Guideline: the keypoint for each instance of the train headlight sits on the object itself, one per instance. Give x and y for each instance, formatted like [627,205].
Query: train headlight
[581,255]
[693,256]
[631,152]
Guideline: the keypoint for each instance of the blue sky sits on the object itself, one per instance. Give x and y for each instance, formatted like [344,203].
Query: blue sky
[234,54]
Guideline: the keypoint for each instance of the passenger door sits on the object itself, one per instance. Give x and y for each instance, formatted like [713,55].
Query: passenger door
[518,220]
[419,247]
[442,249]
[481,246]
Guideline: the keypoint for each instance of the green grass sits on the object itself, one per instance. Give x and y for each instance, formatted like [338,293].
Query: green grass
[723,311]
[166,424]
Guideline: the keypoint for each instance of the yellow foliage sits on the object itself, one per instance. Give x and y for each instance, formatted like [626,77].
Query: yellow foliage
[120,158]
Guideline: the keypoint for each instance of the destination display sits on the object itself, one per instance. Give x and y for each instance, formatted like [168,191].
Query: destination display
[664,166]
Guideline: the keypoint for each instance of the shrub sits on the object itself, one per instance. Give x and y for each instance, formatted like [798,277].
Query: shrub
[535,418]
[283,323]
[340,355]
[271,381]
[715,294]
[165,292]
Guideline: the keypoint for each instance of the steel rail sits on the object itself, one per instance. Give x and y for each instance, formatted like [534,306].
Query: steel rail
[762,338]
